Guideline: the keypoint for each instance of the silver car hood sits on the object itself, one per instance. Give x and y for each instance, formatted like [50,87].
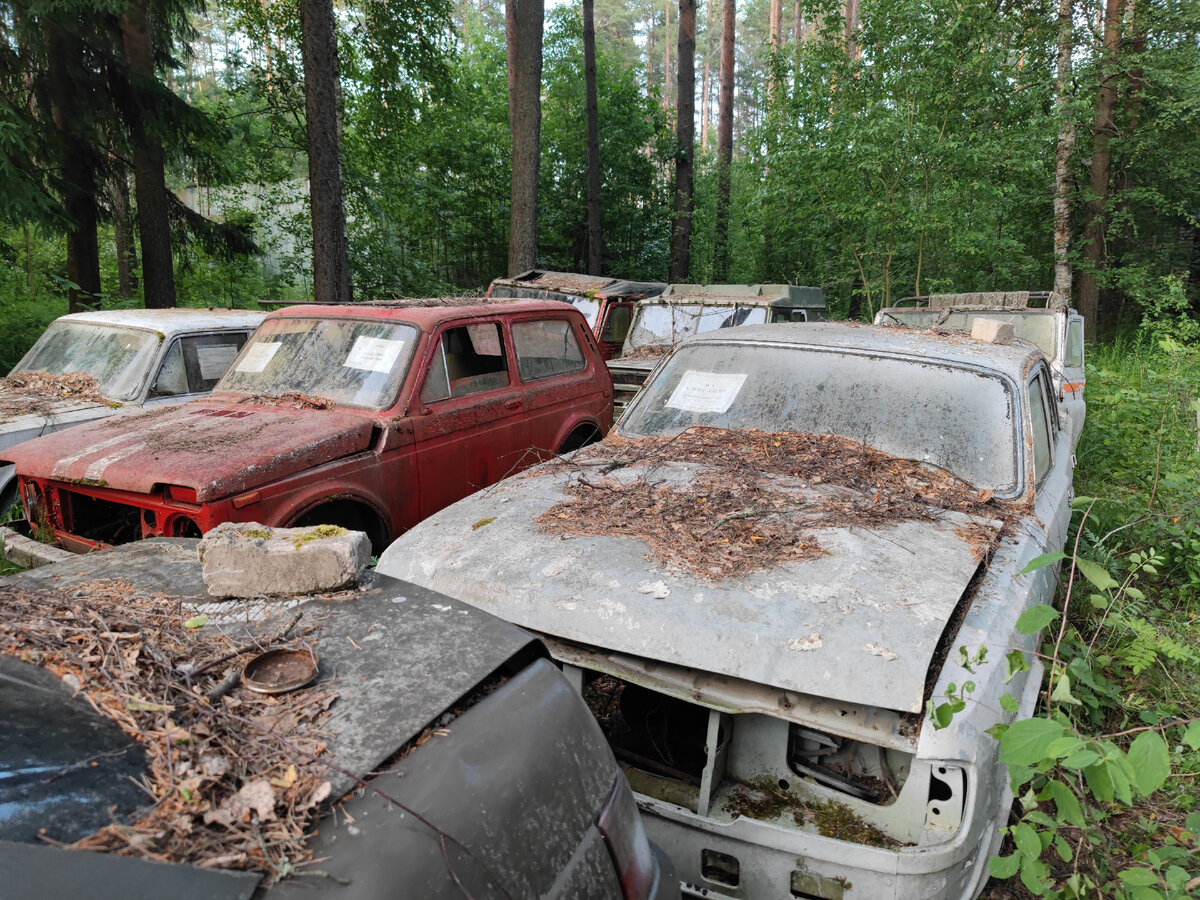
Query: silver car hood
[860,623]
[26,426]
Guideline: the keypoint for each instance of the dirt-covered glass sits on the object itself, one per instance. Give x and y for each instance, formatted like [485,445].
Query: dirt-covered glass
[118,358]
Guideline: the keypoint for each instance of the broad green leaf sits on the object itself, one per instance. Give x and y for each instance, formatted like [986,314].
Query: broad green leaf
[1004,866]
[1081,759]
[1027,840]
[1045,559]
[1121,785]
[1009,703]
[1096,574]
[1066,804]
[1063,849]
[1035,875]
[1151,762]
[1176,877]
[1064,746]
[1144,893]
[1079,502]
[196,622]
[1191,737]
[1036,618]
[1062,691]
[1025,742]
[1014,663]
[1138,877]
[1099,781]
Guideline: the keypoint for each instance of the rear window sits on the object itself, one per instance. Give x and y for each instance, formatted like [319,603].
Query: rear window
[545,348]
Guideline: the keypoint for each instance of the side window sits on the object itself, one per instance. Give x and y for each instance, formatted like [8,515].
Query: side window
[616,326]
[546,347]
[195,363]
[468,359]
[787,314]
[1074,354]
[1040,420]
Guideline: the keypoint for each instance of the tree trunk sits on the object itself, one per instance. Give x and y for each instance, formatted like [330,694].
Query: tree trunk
[1063,152]
[685,134]
[154,228]
[118,192]
[593,139]
[1103,130]
[724,144]
[523,31]
[667,56]
[64,53]
[775,27]
[706,77]
[331,271]
[852,50]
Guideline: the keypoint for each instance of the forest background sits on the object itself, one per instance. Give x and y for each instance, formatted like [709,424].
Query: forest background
[878,149]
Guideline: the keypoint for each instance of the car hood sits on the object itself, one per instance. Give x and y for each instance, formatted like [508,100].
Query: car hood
[216,448]
[860,623]
[26,426]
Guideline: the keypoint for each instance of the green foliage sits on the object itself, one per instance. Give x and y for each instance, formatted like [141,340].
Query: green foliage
[1123,683]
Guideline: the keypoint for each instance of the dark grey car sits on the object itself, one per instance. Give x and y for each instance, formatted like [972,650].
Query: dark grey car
[518,796]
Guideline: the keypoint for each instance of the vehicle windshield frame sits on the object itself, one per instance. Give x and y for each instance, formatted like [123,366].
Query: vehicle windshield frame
[116,386]
[924,317]
[666,377]
[238,379]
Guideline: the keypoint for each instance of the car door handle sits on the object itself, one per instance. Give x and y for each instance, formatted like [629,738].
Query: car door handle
[512,404]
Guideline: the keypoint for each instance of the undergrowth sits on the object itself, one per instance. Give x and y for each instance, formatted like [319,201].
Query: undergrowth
[1107,773]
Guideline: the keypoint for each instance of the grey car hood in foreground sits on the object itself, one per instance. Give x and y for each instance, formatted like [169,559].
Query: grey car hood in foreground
[860,623]
[27,426]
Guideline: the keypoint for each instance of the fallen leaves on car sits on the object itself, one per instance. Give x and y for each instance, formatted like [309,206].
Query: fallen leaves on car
[235,777]
[25,393]
[757,498]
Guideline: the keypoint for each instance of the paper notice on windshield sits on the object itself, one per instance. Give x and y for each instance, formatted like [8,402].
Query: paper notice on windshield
[373,354]
[706,391]
[215,360]
[258,356]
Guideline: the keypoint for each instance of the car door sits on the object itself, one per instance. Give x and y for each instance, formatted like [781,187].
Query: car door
[193,364]
[557,377]
[469,425]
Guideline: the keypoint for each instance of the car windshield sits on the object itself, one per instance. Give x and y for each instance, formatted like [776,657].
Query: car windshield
[954,418]
[589,307]
[1037,328]
[669,323]
[355,362]
[119,358]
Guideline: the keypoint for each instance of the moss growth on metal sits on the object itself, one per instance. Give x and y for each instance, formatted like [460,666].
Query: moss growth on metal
[488,521]
[764,799]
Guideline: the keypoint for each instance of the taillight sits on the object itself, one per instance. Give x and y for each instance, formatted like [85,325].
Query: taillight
[621,826]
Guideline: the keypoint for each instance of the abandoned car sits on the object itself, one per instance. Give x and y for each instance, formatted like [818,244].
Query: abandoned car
[687,309]
[606,303]
[369,416]
[1040,317]
[798,542]
[89,365]
[437,754]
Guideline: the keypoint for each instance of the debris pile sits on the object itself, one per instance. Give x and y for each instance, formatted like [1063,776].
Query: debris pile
[647,351]
[24,393]
[756,500]
[291,399]
[235,777]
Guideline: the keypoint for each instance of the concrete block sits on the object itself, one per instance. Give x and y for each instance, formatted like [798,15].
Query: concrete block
[28,553]
[992,331]
[245,559]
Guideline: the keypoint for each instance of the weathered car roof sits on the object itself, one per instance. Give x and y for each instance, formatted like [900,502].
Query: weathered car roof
[789,295]
[1010,359]
[579,284]
[171,321]
[425,313]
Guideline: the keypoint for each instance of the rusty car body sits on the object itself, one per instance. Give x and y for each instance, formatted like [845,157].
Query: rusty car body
[456,759]
[1043,318]
[606,303]
[138,357]
[369,416]
[683,310]
[773,719]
